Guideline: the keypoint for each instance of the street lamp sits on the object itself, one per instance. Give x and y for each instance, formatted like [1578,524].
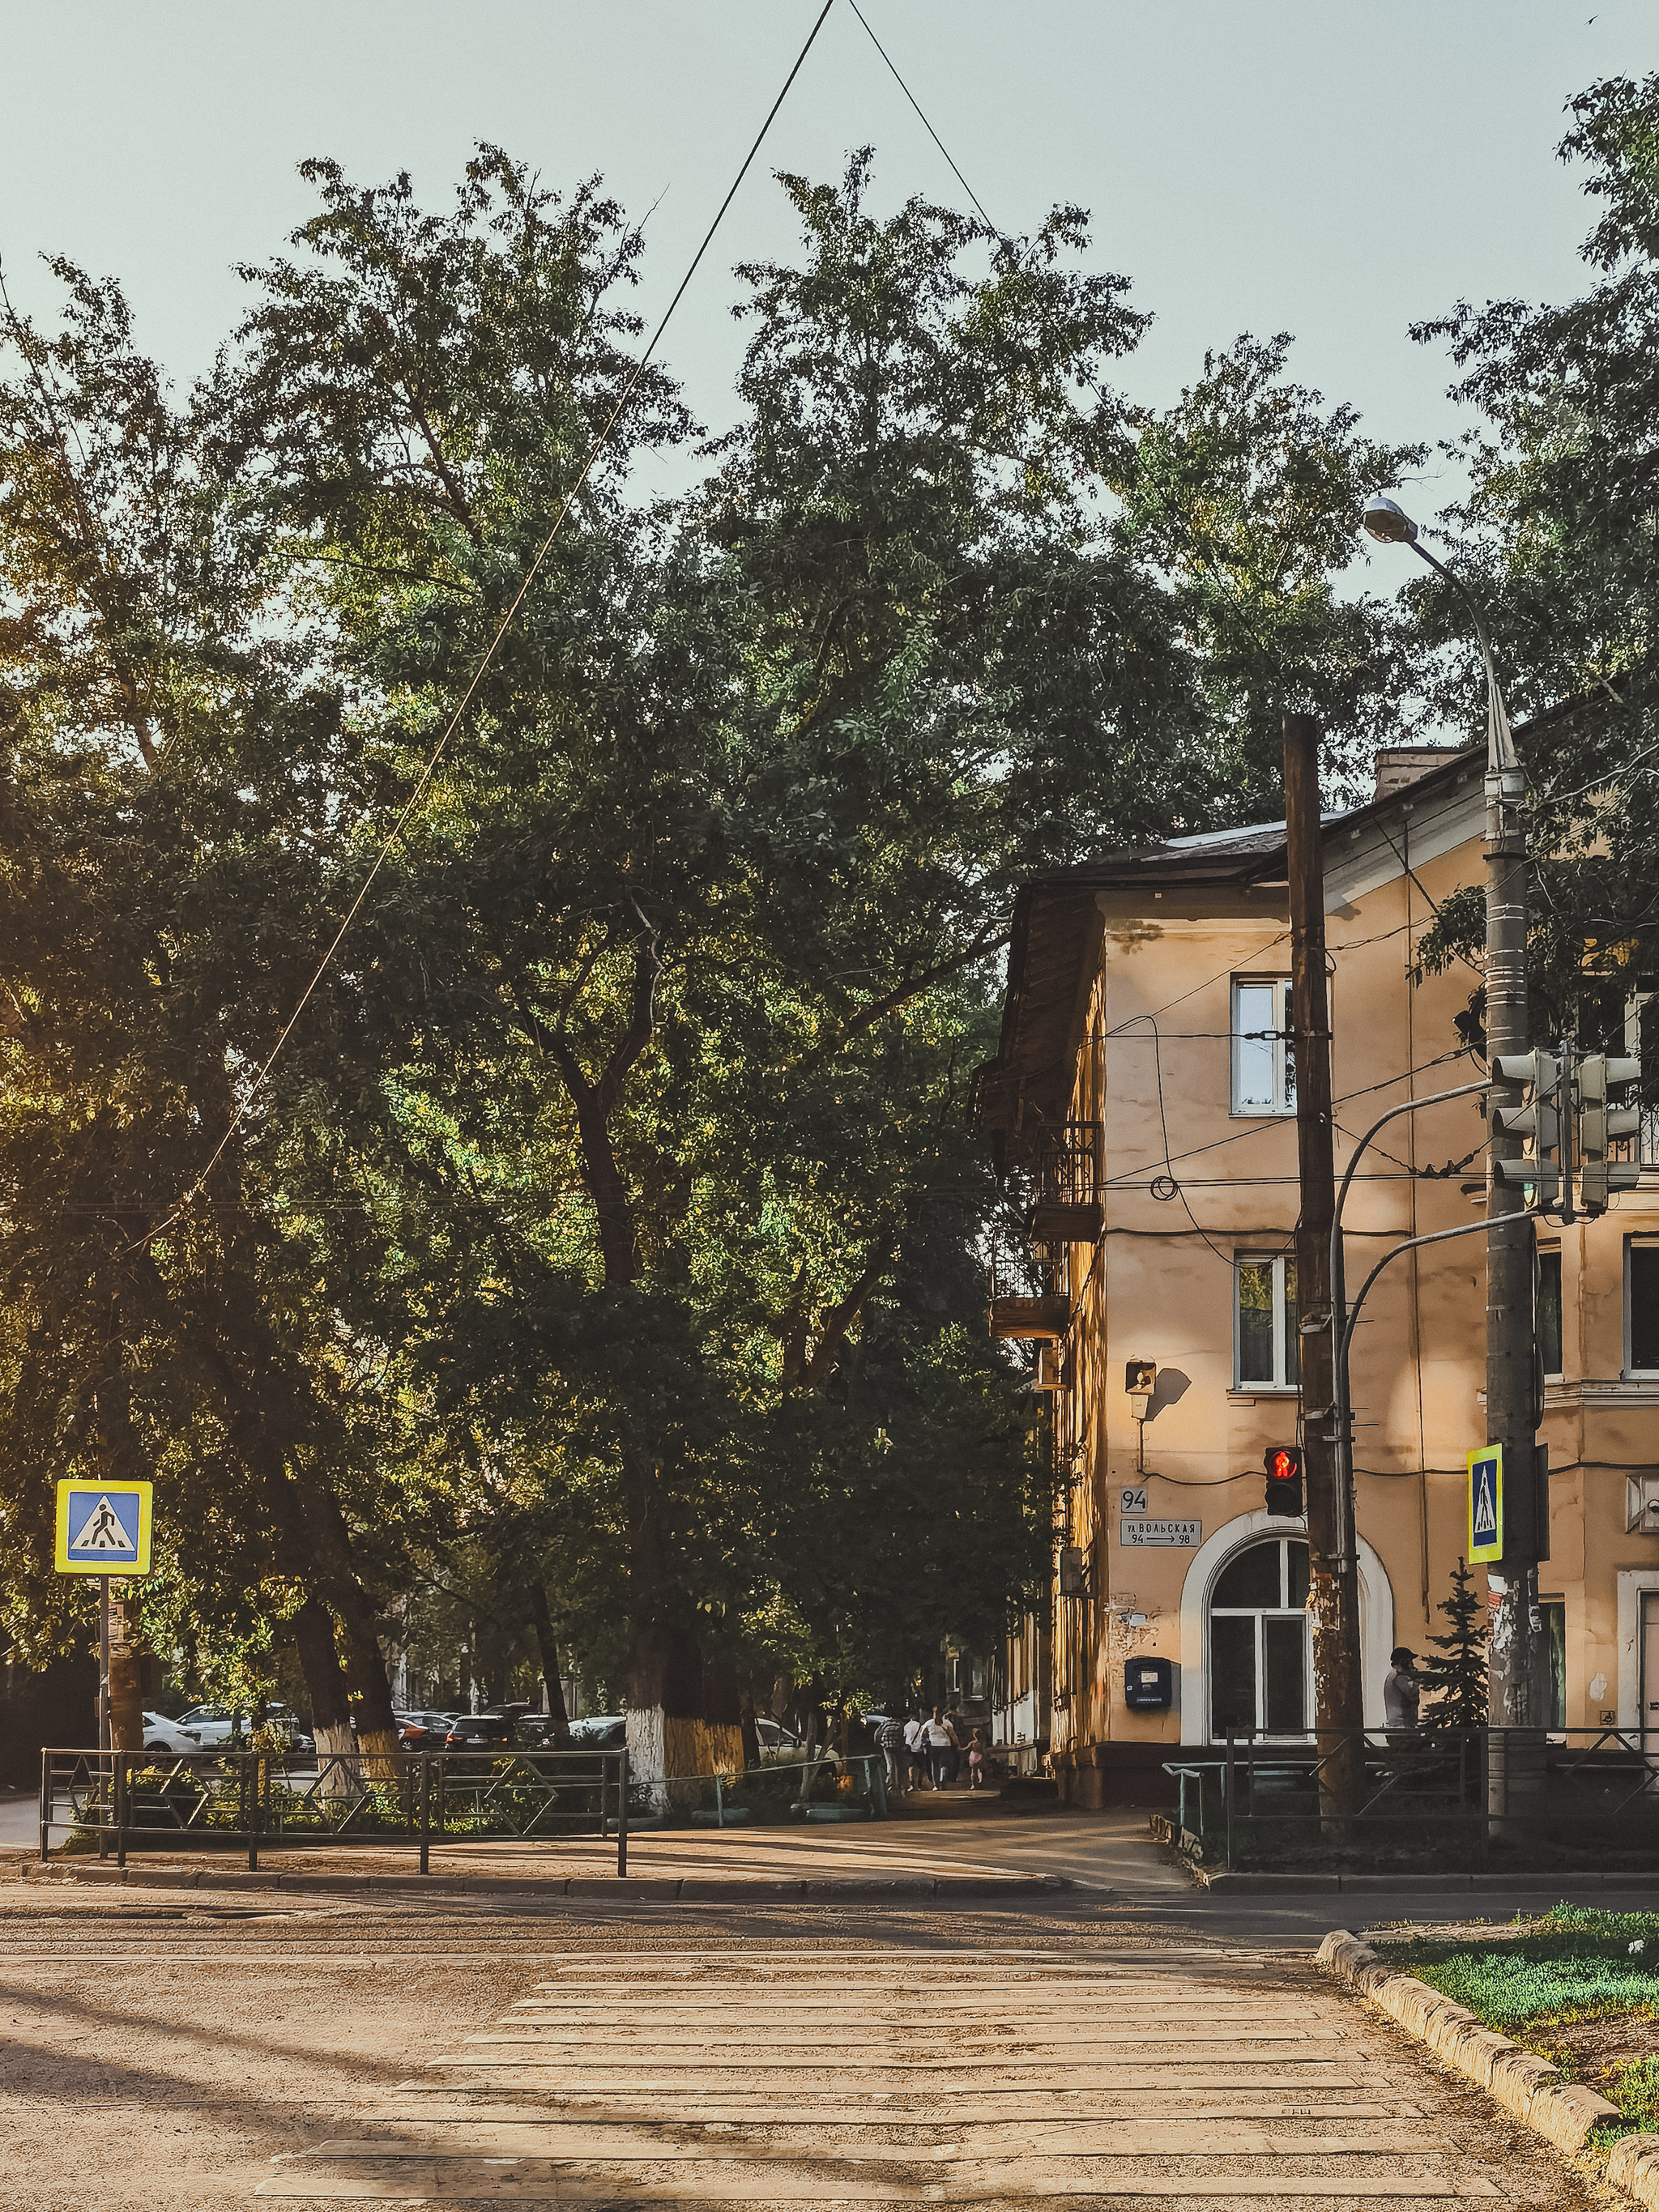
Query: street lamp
[1516,1649]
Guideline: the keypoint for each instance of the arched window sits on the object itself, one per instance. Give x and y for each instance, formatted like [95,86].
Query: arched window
[1261,1642]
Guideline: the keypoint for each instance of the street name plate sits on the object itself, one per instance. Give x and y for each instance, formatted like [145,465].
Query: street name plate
[1188,1535]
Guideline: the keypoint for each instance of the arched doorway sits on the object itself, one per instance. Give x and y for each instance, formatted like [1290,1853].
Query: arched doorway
[1260,1642]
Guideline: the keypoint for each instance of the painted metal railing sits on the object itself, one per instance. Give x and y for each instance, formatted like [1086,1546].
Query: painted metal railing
[122,1800]
[1254,1803]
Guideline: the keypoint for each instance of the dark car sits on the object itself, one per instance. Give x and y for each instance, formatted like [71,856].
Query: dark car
[480,1732]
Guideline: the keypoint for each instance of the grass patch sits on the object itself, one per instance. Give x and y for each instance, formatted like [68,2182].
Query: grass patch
[1540,1985]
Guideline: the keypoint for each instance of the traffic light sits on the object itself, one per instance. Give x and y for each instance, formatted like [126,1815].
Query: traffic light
[1537,1121]
[1284,1466]
[1600,1124]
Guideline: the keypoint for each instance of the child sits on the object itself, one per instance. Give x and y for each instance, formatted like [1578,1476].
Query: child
[976,1761]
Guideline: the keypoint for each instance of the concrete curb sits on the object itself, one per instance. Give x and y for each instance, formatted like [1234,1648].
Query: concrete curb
[1558,1883]
[686,1889]
[1530,2087]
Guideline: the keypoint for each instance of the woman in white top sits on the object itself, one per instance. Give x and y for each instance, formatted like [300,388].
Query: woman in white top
[941,1743]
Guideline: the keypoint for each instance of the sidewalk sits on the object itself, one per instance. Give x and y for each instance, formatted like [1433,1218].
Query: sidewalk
[1105,1852]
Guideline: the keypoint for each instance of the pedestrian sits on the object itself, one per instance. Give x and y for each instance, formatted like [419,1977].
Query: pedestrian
[1401,1691]
[941,1743]
[976,1761]
[915,1746]
[890,1740]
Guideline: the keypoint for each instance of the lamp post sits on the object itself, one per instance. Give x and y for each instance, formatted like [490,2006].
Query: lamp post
[1517,1652]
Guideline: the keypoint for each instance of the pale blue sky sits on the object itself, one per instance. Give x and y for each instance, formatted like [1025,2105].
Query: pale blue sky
[1336,170]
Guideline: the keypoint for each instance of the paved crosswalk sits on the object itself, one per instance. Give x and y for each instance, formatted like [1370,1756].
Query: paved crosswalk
[854,2074]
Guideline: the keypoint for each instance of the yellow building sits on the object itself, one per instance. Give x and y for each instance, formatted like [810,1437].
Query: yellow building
[1143,1094]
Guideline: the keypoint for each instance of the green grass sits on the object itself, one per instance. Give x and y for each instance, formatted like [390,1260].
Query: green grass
[1576,1964]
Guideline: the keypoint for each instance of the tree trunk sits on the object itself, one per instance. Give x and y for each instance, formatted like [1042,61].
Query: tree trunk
[746,1722]
[541,1620]
[325,1687]
[126,1696]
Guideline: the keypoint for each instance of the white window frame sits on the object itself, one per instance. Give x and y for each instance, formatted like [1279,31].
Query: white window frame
[1261,1614]
[1636,1374]
[1284,1103]
[1553,1252]
[1279,1262]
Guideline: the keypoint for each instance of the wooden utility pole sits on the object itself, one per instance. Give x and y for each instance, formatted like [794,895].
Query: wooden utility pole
[1338,1701]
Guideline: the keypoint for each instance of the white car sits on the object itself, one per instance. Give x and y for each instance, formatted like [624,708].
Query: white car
[162,1735]
[207,1723]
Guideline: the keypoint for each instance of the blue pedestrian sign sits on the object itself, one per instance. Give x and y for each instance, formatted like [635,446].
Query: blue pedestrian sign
[1486,1505]
[103,1528]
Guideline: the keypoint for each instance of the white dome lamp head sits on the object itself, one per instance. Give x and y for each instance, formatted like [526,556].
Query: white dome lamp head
[1387,521]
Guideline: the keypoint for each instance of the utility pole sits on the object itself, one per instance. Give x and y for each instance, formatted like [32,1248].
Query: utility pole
[1339,1700]
[1515,1654]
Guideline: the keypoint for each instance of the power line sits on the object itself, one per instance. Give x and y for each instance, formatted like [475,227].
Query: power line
[491,649]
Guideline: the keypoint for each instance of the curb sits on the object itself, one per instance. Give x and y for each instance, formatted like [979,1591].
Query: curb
[1530,2087]
[687,1889]
[1561,1882]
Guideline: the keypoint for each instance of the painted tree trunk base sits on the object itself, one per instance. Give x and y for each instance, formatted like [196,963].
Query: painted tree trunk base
[674,1757]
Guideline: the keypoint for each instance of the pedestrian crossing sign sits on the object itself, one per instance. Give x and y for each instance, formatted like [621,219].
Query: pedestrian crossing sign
[1486,1505]
[103,1528]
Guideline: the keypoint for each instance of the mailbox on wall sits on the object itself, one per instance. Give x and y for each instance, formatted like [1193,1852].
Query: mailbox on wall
[1148,1685]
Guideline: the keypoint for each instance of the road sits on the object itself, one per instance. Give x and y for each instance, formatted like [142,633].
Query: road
[172,2050]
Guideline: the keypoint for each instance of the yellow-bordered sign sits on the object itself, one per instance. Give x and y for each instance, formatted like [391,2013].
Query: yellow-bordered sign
[1486,1505]
[103,1528]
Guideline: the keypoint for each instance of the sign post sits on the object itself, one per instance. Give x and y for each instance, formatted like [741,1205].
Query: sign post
[1486,1505]
[104,1529]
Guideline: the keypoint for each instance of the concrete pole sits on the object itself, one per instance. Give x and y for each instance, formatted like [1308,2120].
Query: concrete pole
[1516,1656]
[1339,1693]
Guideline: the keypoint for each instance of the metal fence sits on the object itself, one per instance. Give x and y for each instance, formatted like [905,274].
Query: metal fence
[1427,1796]
[122,1800]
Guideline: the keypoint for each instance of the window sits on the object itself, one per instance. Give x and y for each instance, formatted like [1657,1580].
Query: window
[1261,1642]
[1642,1306]
[1265,1342]
[1554,1610]
[1264,1064]
[1548,1316]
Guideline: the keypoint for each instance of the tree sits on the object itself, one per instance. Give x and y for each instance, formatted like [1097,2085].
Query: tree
[172,768]
[1457,1684]
[1246,496]
[1558,539]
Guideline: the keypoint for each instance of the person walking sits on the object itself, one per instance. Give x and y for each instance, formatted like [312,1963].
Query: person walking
[976,1761]
[890,1740]
[915,1747]
[941,1743]
[1401,1692]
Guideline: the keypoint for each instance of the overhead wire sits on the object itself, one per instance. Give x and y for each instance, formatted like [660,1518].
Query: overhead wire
[394,836]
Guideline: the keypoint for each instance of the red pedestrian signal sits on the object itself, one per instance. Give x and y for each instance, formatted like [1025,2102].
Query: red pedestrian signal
[1284,1466]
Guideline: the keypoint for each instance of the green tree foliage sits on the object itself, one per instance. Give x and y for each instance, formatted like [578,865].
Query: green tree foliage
[1245,495]
[1457,1684]
[174,777]
[1559,538]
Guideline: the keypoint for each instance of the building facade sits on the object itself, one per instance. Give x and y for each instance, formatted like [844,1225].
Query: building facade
[1143,1097]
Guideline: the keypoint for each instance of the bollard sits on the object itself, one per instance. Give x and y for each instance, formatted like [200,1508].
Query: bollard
[622,1813]
[426,1812]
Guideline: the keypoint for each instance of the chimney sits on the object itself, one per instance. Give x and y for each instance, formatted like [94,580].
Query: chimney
[1395,766]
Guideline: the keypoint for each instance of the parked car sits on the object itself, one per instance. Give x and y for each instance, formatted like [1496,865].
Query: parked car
[213,1725]
[208,1725]
[599,1732]
[425,1731]
[480,1732]
[162,1735]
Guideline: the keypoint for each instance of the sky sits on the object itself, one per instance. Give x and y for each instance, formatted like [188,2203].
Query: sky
[1335,170]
